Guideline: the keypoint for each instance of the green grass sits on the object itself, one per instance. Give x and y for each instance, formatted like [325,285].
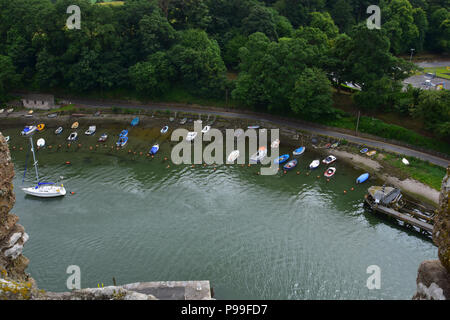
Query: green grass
[441,72]
[385,130]
[419,170]
[67,108]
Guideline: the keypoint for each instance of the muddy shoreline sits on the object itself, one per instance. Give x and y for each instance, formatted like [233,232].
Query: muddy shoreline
[288,135]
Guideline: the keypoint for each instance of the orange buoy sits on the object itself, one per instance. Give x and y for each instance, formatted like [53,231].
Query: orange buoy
[21,149]
[298,172]
[72,193]
[165,158]
[352,189]
[68,145]
[318,177]
[345,191]
[67,162]
[328,180]
[90,148]
[214,169]
[50,147]
[249,164]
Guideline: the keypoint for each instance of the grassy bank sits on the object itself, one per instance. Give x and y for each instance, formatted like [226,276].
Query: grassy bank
[419,170]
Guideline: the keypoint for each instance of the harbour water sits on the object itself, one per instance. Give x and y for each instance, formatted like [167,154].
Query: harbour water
[288,236]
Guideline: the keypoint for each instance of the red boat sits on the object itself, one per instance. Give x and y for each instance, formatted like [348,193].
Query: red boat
[330,172]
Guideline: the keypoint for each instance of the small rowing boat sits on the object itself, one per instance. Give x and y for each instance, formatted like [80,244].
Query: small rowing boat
[191,136]
[7,139]
[52,115]
[290,165]
[29,130]
[253,127]
[238,133]
[281,159]
[260,155]
[329,160]
[135,122]
[275,144]
[299,151]
[206,129]
[122,141]
[73,136]
[335,145]
[405,161]
[40,126]
[233,156]
[364,150]
[330,172]
[59,130]
[103,138]
[40,143]
[75,125]
[90,131]
[123,134]
[362,178]
[371,153]
[183,121]
[164,129]
[154,149]
[314,165]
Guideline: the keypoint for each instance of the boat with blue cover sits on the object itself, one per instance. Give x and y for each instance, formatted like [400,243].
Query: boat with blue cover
[29,130]
[299,151]
[135,122]
[364,150]
[123,134]
[362,178]
[122,141]
[281,159]
[154,149]
[290,165]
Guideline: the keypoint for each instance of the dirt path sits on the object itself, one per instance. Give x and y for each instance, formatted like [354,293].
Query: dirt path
[381,145]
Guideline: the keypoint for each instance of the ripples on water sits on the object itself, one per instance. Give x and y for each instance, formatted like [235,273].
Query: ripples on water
[254,237]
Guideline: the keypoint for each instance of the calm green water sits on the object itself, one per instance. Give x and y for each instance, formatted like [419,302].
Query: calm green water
[286,236]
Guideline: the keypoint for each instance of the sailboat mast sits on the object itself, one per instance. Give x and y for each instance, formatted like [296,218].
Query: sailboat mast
[34,159]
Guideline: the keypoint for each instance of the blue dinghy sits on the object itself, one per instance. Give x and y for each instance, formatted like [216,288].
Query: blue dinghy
[290,165]
[154,149]
[362,178]
[298,151]
[364,150]
[123,134]
[122,141]
[281,159]
[135,122]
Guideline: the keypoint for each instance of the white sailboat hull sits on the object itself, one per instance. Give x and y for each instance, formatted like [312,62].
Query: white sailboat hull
[46,191]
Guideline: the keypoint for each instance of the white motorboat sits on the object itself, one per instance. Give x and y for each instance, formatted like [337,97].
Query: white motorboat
[191,136]
[40,143]
[260,155]
[314,164]
[7,139]
[405,161]
[329,160]
[29,130]
[43,189]
[233,156]
[90,131]
[59,130]
[206,129]
[164,129]
[73,136]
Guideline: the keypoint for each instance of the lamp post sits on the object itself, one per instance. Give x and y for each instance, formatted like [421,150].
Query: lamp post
[412,51]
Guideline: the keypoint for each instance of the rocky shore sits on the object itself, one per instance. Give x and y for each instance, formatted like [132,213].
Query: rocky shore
[433,278]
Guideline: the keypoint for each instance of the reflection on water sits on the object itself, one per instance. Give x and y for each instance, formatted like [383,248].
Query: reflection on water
[286,236]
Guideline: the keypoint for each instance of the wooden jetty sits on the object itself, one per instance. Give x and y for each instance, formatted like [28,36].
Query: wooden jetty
[402,217]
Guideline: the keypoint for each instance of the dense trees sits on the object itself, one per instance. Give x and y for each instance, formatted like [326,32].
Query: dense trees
[284,52]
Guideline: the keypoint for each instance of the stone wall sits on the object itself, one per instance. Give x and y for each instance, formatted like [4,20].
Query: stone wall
[433,279]
[12,235]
